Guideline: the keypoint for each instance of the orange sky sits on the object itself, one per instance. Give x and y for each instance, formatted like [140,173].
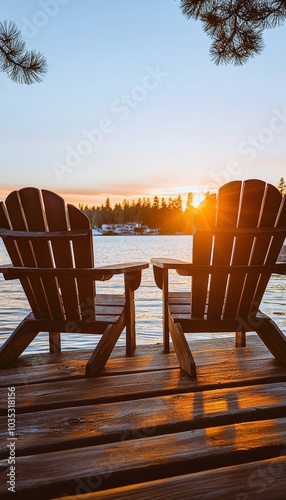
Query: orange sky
[87,198]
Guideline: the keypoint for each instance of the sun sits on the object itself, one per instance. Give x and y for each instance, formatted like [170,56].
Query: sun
[197,200]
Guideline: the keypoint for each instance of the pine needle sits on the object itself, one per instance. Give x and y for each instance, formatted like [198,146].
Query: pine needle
[19,64]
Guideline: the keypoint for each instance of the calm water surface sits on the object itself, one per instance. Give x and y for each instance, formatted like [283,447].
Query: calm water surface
[110,250]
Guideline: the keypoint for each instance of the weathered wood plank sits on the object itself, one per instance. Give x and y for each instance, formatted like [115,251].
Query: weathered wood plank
[140,385]
[98,432]
[219,343]
[88,425]
[261,480]
[35,368]
[125,462]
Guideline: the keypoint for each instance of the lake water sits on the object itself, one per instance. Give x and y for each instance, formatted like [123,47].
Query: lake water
[114,249]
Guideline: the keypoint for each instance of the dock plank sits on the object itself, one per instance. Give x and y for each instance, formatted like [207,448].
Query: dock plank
[96,424]
[149,458]
[97,390]
[144,428]
[71,364]
[262,480]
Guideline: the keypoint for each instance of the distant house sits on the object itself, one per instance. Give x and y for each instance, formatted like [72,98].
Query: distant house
[130,228]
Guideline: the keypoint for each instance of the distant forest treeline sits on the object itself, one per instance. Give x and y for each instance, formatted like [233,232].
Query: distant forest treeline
[168,216]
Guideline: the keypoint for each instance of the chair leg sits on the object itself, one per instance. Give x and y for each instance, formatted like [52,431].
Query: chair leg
[165,296]
[17,342]
[104,348]
[240,339]
[183,352]
[131,283]
[55,342]
[130,322]
[273,338]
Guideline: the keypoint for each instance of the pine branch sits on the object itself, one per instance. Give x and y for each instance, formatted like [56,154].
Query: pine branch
[235,26]
[19,64]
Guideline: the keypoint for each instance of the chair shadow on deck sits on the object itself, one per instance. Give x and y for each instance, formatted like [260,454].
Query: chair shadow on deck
[238,235]
[51,249]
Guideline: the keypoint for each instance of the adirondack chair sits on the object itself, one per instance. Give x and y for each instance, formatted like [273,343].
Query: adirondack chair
[238,235]
[51,250]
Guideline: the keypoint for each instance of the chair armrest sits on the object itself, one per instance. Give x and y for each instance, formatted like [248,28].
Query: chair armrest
[44,235]
[123,268]
[161,267]
[132,273]
[188,269]
[5,266]
[282,269]
[170,263]
[97,273]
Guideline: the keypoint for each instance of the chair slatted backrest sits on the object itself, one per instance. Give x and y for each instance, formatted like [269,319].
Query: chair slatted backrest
[239,205]
[32,210]
[202,251]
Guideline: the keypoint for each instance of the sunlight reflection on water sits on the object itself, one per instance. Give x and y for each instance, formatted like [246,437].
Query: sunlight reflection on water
[110,250]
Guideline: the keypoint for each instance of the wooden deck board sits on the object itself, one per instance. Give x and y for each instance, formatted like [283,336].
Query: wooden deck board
[144,428]
[135,386]
[96,424]
[151,457]
[263,480]
[67,365]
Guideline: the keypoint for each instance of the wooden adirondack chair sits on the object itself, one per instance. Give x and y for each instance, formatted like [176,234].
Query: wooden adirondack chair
[51,250]
[238,235]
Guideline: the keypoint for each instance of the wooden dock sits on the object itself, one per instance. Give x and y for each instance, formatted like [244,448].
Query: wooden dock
[144,430]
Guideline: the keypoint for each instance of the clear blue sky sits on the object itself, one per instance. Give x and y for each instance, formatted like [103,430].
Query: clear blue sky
[133,106]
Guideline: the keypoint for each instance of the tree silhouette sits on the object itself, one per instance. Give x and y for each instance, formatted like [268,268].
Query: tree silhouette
[282,186]
[168,218]
[19,64]
[235,26]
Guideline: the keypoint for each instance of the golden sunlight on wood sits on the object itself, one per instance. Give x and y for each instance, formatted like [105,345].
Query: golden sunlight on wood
[220,436]
[255,434]
[215,406]
[144,424]
[257,399]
